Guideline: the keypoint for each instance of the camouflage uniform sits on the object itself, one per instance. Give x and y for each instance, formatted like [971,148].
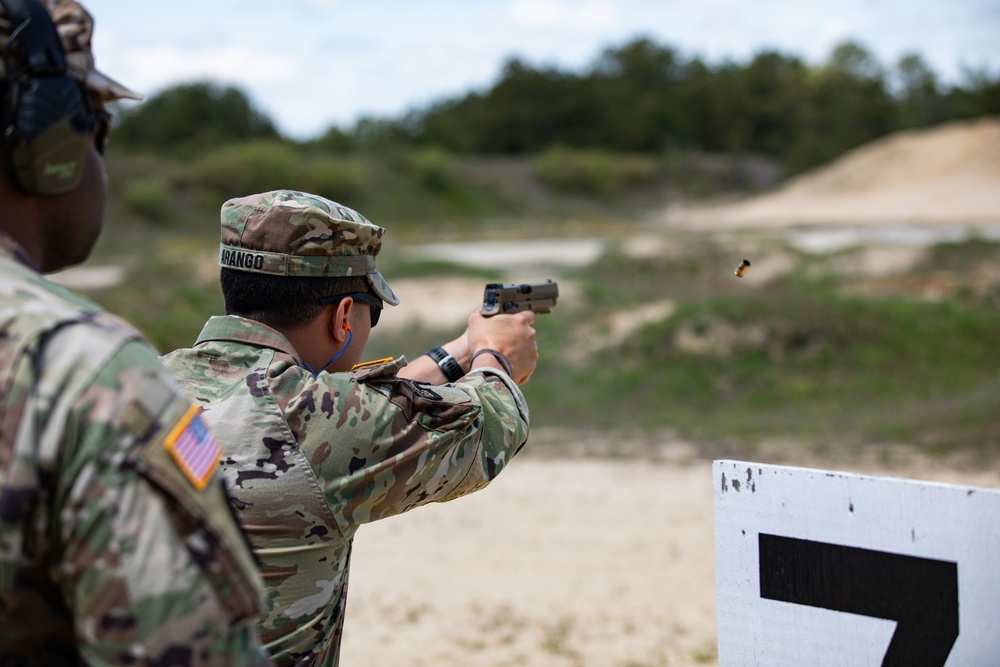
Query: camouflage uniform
[310,458]
[117,545]
[109,553]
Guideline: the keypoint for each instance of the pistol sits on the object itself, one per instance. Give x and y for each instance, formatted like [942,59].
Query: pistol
[538,297]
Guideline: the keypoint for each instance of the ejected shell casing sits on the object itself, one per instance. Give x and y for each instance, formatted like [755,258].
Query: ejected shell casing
[742,268]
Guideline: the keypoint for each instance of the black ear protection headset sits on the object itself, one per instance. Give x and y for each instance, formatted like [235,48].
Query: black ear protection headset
[46,118]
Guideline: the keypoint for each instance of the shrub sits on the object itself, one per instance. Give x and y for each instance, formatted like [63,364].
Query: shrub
[148,198]
[594,173]
[431,169]
[243,169]
[236,171]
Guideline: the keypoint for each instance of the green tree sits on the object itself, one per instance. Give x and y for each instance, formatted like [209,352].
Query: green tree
[639,88]
[917,92]
[334,140]
[191,117]
[377,134]
[455,124]
[764,103]
[708,103]
[642,97]
[848,104]
[529,109]
[980,96]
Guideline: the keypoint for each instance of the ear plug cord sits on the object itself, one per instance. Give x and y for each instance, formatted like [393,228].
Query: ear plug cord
[350,337]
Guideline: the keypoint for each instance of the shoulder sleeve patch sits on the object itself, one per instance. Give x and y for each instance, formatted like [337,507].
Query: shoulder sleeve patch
[194,448]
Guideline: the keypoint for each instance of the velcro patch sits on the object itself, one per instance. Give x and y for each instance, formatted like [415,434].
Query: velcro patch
[194,448]
[145,409]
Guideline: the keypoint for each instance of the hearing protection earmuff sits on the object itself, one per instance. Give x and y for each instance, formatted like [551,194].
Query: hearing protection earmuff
[46,118]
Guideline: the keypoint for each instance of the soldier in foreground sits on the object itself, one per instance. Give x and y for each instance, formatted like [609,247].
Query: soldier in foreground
[117,546]
[316,443]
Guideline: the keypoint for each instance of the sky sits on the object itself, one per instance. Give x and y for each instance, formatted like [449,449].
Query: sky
[312,64]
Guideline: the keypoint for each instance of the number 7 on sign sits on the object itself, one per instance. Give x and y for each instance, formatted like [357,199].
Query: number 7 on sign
[920,594]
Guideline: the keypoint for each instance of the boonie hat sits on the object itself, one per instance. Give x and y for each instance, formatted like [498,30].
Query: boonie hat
[292,233]
[76,28]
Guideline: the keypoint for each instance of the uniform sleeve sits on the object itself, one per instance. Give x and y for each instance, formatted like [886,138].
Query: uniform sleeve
[390,444]
[151,563]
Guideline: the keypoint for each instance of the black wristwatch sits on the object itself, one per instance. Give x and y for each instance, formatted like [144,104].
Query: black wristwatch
[447,363]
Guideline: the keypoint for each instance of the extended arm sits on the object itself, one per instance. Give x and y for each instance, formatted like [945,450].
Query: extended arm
[513,336]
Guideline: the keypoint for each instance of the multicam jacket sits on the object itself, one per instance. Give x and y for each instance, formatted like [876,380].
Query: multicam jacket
[309,459]
[110,553]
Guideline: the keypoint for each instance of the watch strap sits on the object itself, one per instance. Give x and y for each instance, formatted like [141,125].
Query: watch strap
[447,363]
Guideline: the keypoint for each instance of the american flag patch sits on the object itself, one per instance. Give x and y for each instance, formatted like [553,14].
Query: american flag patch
[194,448]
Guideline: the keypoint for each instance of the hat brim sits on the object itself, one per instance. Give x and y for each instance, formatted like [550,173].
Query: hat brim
[108,88]
[382,288]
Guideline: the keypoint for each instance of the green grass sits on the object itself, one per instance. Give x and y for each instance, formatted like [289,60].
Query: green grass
[826,367]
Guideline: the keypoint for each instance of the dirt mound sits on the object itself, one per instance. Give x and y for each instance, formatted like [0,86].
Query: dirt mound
[947,175]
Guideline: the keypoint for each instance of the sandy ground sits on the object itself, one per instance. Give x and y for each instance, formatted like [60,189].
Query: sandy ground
[576,563]
[579,562]
[571,562]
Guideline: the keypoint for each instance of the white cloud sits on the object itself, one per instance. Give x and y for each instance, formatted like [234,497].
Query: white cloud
[563,14]
[832,32]
[162,66]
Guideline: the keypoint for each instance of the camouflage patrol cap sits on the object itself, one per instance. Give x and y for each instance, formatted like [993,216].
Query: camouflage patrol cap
[75,26]
[291,233]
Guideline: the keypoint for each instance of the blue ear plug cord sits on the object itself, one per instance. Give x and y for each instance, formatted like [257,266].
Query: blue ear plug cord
[350,337]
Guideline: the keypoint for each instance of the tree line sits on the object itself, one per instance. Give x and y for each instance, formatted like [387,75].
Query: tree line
[641,97]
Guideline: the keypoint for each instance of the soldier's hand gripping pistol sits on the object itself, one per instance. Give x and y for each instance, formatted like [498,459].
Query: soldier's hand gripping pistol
[538,297]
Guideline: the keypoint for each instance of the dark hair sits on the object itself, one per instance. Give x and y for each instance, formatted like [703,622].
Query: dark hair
[282,302]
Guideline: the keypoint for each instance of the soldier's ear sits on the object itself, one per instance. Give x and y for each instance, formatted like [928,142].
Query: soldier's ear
[339,323]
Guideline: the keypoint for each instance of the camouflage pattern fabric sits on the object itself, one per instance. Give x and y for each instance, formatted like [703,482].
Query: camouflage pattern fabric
[292,233]
[75,26]
[109,554]
[309,459]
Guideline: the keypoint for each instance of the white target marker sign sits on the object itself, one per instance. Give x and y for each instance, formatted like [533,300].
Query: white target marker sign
[823,568]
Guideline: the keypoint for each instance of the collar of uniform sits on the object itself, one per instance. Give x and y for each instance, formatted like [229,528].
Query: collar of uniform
[11,248]
[241,330]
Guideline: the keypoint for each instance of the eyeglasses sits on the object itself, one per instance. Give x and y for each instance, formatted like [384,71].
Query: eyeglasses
[102,129]
[97,122]
[375,311]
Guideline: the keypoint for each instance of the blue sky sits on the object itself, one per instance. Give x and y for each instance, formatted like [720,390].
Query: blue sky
[310,64]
